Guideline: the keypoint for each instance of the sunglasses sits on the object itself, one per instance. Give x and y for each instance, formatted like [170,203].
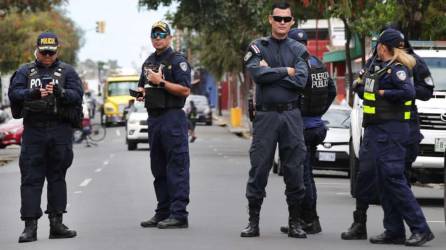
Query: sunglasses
[48,52]
[285,19]
[159,34]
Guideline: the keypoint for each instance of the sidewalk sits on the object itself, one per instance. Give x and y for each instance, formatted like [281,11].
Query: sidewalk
[225,121]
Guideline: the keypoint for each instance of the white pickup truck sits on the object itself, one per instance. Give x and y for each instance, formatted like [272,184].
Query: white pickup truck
[430,164]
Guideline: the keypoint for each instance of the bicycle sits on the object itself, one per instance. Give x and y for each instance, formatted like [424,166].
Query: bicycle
[91,133]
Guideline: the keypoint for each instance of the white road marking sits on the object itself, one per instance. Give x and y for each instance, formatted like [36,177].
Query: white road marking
[118,132]
[98,170]
[343,193]
[106,163]
[78,192]
[435,221]
[85,182]
[332,183]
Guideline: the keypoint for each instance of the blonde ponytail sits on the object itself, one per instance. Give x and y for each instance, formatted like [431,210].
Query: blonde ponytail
[400,55]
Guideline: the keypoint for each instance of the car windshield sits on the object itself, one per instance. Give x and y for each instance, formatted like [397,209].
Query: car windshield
[120,88]
[337,118]
[140,107]
[437,67]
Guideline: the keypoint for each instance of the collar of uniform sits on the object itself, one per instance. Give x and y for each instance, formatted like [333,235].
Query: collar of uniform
[278,40]
[165,52]
[39,64]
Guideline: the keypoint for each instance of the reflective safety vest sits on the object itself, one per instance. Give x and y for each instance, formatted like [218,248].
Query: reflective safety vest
[375,107]
[315,98]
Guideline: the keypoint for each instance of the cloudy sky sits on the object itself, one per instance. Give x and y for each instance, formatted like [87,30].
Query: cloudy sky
[126,38]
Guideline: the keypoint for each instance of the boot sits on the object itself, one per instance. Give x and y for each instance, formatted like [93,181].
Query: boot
[252,230]
[58,230]
[30,232]
[295,223]
[358,230]
[311,221]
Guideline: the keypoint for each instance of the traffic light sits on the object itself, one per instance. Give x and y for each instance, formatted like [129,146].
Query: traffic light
[100,26]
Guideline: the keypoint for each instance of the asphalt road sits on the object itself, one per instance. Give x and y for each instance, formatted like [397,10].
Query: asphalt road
[110,192]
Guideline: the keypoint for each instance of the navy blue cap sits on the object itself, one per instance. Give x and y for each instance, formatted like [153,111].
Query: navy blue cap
[47,41]
[298,35]
[392,38]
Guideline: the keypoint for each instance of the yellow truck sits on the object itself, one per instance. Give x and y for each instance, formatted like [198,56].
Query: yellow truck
[116,98]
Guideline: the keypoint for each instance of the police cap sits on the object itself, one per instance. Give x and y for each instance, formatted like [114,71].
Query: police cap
[163,26]
[298,35]
[47,41]
[392,38]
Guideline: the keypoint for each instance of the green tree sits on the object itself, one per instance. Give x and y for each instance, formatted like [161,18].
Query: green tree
[19,33]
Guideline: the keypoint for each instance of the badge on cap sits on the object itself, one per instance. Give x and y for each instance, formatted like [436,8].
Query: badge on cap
[401,75]
[247,56]
[183,66]
[429,81]
[300,34]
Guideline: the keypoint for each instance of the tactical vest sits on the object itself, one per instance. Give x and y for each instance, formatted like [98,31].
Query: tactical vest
[158,97]
[47,104]
[375,107]
[315,98]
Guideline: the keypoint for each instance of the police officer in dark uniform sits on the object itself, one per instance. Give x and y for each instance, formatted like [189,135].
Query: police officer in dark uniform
[387,94]
[319,93]
[423,84]
[42,92]
[165,82]
[278,66]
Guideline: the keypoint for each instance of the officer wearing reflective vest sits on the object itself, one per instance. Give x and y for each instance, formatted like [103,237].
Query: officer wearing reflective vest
[387,94]
[41,92]
[319,93]
[165,83]
[423,84]
[278,66]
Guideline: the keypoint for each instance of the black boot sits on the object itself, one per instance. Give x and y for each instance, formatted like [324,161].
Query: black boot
[58,230]
[30,232]
[358,230]
[152,222]
[295,223]
[252,230]
[418,239]
[311,221]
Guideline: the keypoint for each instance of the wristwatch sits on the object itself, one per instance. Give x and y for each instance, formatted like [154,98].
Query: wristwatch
[162,84]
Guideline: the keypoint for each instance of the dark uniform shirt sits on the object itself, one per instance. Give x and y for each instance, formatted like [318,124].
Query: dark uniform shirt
[72,85]
[274,85]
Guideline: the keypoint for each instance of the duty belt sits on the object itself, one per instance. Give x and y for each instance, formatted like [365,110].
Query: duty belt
[159,112]
[278,107]
[43,124]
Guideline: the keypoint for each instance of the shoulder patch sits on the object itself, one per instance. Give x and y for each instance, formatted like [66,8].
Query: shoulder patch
[183,66]
[248,56]
[401,75]
[255,48]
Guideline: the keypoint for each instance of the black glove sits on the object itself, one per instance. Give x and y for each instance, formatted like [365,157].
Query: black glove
[58,91]
[34,94]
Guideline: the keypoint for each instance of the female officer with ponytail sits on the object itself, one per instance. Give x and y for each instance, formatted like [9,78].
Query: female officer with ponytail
[387,95]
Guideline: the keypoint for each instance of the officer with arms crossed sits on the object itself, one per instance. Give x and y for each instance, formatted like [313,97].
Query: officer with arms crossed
[47,93]
[165,83]
[319,93]
[424,86]
[278,66]
[388,92]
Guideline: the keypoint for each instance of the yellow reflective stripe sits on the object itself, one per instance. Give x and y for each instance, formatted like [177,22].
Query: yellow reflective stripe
[407,115]
[369,96]
[408,103]
[368,109]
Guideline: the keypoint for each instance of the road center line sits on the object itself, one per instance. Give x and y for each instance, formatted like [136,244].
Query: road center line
[85,182]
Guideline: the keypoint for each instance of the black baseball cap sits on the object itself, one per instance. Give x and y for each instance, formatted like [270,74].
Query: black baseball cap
[163,26]
[392,38]
[298,35]
[47,41]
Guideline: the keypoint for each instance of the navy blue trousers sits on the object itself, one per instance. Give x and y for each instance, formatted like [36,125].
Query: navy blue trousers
[383,155]
[46,153]
[169,162]
[269,129]
[313,137]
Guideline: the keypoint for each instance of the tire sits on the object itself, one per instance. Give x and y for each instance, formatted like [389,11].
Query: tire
[131,146]
[354,164]
[98,132]
[209,123]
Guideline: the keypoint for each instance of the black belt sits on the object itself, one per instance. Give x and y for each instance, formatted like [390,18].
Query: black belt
[42,124]
[278,107]
[159,112]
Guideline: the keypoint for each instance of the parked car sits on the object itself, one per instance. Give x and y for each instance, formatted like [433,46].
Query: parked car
[204,111]
[11,132]
[136,127]
[333,153]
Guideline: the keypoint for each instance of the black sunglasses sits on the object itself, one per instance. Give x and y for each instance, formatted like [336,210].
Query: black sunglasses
[48,52]
[286,19]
